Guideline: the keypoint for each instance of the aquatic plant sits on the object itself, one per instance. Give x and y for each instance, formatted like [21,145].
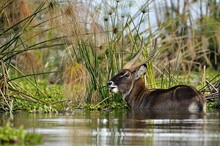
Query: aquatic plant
[76,80]
[9,135]
[59,41]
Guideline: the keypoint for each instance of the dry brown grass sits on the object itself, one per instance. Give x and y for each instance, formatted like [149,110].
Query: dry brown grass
[29,62]
[76,79]
[79,22]
[14,12]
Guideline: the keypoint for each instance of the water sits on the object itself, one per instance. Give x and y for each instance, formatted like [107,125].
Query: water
[121,127]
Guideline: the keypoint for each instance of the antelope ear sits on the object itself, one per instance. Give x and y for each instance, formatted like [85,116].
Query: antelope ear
[140,71]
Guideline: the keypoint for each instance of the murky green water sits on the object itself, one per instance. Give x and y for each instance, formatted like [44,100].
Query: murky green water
[121,128]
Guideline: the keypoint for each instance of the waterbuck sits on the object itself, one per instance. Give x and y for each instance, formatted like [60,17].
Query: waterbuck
[129,82]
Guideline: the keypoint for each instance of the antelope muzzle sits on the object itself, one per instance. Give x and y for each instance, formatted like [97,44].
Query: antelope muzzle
[112,86]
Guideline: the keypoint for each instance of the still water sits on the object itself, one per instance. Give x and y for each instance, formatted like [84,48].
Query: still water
[121,127]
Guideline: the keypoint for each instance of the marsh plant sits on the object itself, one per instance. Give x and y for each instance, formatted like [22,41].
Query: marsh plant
[78,45]
[76,80]
[12,136]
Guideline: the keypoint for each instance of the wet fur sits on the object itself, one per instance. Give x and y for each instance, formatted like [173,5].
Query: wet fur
[176,98]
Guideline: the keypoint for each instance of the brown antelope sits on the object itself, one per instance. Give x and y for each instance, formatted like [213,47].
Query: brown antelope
[129,82]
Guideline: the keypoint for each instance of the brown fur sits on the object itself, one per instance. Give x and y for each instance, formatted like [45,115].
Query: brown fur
[179,97]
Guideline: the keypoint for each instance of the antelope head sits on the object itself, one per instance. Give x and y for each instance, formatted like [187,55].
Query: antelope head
[124,81]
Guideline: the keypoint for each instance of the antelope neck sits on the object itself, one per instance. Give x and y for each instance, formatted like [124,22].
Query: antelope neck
[136,91]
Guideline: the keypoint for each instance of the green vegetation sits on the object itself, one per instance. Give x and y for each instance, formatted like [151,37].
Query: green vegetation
[9,135]
[58,56]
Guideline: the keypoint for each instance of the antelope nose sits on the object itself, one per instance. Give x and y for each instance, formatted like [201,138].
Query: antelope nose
[109,83]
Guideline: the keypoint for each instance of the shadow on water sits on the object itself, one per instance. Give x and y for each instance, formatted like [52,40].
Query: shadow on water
[121,127]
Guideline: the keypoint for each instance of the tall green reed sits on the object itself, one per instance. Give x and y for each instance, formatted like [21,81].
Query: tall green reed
[122,40]
[17,40]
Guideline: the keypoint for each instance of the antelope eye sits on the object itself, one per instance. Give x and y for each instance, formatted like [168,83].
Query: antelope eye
[126,74]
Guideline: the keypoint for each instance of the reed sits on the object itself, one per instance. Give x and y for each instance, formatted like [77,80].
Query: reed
[84,44]
[18,60]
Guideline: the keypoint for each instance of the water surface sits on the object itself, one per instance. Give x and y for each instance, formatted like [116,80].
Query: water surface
[121,127]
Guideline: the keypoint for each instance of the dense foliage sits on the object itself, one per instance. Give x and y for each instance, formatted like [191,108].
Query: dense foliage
[58,55]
